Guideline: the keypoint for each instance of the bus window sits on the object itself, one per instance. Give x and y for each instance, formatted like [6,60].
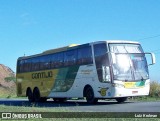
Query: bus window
[60,59]
[35,64]
[84,56]
[45,62]
[53,60]
[56,60]
[20,67]
[27,65]
[70,57]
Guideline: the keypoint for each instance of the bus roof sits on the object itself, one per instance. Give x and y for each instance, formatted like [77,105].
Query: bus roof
[76,45]
[59,49]
[122,41]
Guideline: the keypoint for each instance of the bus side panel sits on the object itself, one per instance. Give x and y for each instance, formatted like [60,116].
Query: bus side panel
[78,77]
[44,80]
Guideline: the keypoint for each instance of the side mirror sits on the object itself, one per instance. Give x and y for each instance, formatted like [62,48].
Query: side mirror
[153,58]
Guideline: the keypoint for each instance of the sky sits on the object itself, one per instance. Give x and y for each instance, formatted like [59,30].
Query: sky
[29,27]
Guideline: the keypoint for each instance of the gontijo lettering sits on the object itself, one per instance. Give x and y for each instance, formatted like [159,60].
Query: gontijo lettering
[40,75]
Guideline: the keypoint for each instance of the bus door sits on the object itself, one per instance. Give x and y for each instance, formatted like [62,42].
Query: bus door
[102,63]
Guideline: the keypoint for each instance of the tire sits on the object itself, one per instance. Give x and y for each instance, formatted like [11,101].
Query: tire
[36,95]
[90,96]
[121,100]
[30,95]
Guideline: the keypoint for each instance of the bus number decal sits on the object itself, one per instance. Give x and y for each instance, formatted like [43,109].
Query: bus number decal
[103,91]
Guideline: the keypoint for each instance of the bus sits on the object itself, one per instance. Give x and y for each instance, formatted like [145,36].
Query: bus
[112,69]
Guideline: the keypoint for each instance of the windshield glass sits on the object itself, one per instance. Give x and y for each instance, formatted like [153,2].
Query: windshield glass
[130,62]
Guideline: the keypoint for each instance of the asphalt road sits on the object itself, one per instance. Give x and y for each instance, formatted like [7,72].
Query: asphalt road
[82,106]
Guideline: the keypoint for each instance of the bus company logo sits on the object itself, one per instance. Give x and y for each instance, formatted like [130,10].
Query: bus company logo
[40,75]
[6,115]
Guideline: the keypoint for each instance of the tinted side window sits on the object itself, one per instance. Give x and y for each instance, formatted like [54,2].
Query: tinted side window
[35,64]
[100,53]
[27,65]
[60,59]
[70,57]
[54,61]
[84,55]
[44,62]
[101,59]
[20,66]
[57,60]
[100,50]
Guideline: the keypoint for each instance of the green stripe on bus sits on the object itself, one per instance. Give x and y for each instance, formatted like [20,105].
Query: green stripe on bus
[65,79]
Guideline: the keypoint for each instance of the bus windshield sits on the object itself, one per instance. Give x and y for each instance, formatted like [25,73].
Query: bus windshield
[130,62]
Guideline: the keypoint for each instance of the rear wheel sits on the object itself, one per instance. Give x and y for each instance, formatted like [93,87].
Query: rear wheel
[121,100]
[90,96]
[30,95]
[36,95]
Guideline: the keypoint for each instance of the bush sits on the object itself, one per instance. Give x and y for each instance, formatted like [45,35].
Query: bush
[154,89]
[8,79]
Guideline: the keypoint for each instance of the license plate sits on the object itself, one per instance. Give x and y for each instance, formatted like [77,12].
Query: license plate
[134,92]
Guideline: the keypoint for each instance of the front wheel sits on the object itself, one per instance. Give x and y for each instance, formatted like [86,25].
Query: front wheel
[121,100]
[90,96]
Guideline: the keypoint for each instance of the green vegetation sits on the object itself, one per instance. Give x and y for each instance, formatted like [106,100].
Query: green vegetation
[155,89]
[11,78]
[7,92]
[93,119]
[144,98]
[8,87]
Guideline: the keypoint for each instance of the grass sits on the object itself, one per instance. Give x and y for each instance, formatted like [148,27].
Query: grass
[94,119]
[91,119]
[155,89]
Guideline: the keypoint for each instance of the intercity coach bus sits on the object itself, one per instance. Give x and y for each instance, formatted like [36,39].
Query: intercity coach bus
[98,70]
